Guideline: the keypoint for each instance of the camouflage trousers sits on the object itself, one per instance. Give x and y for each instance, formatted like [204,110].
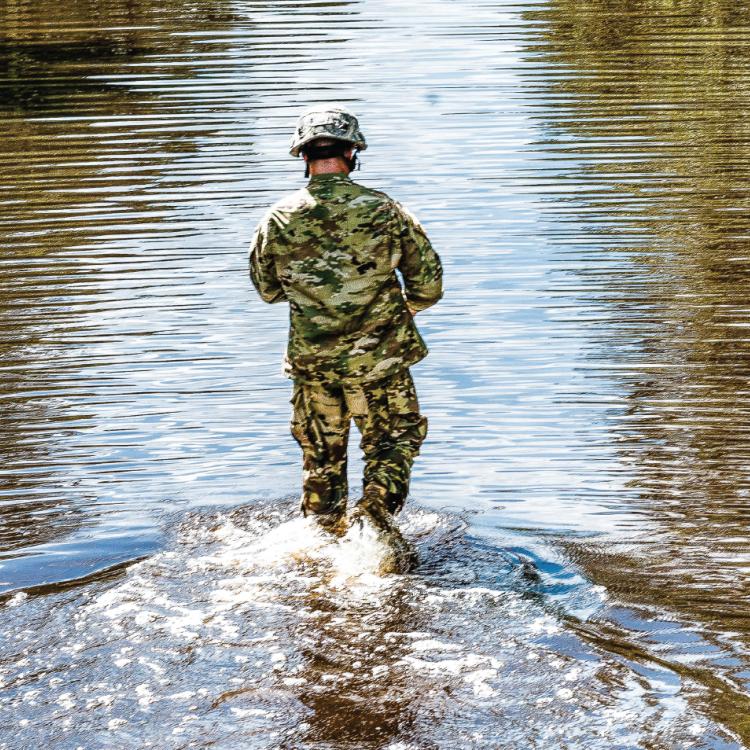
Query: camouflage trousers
[386,413]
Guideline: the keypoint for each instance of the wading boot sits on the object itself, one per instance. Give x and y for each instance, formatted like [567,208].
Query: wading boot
[334,523]
[371,508]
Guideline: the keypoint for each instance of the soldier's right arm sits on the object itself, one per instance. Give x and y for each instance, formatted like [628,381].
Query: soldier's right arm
[420,265]
[262,266]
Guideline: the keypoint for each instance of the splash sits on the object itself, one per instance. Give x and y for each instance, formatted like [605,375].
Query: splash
[254,628]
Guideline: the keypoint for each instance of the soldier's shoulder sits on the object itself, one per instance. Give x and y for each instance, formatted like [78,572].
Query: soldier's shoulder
[407,216]
[296,201]
[383,197]
[285,207]
[365,193]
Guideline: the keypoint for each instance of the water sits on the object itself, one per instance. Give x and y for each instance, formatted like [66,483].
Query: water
[581,504]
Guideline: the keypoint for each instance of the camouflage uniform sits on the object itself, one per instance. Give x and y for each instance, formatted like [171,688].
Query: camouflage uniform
[332,250]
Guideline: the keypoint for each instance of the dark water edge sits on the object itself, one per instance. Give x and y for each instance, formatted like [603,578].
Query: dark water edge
[582,169]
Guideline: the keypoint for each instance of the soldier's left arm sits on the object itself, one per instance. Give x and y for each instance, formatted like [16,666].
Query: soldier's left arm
[419,265]
[262,266]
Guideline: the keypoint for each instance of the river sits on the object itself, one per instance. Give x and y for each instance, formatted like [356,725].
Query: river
[581,505]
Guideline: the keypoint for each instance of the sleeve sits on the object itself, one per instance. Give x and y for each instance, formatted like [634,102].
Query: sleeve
[262,266]
[420,265]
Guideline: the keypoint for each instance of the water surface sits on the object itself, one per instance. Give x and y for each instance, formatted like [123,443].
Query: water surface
[581,503]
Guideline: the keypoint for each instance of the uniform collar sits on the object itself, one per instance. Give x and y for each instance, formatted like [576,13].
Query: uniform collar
[330,177]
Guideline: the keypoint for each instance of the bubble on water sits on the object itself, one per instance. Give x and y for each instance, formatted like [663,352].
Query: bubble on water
[145,695]
[66,700]
[17,599]
[435,645]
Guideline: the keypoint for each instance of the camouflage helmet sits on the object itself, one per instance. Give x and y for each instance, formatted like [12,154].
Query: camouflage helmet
[327,121]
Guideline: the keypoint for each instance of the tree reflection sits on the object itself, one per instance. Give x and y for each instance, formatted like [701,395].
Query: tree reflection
[656,98]
[349,703]
[62,188]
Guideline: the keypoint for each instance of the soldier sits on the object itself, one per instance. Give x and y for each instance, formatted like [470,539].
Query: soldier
[332,251]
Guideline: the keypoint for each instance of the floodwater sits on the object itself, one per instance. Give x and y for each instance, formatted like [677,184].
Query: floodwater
[581,506]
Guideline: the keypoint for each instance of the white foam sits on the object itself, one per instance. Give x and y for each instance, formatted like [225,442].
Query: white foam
[290,541]
[434,645]
[244,713]
[446,666]
[544,625]
[100,701]
[359,556]
[186,695]
[294,681]
[145,695]
[66,700]
[478,682]
[17,599]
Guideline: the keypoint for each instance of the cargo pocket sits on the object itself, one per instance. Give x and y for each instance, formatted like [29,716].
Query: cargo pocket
[408,426]
[298,423]
[401,394]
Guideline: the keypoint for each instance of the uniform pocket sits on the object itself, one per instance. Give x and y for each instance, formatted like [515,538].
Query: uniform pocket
[408,426]
[401,394]
[298,418]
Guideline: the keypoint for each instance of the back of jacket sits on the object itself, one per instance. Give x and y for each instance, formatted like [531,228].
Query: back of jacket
[332,250]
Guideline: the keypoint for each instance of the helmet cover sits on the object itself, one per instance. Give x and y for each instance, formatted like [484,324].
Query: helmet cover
[327,121]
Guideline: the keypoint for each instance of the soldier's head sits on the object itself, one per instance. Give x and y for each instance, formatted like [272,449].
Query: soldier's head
[328,138]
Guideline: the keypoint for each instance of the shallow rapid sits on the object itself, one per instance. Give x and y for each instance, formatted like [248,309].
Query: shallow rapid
[255,629]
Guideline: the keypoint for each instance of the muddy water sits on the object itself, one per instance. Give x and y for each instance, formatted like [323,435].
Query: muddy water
[581,505]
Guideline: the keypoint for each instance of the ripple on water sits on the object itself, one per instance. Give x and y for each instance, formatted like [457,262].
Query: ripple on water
[253,627]
[582,168]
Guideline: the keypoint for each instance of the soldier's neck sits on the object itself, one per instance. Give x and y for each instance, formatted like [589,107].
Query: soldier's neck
[328,166]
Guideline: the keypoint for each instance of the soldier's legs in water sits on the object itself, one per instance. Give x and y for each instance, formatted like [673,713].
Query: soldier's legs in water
[320,424]
[387,414]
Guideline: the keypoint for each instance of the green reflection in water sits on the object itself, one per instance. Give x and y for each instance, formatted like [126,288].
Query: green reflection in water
[655,95]
[78,162]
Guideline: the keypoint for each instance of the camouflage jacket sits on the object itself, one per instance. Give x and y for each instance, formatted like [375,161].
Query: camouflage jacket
[332,250]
